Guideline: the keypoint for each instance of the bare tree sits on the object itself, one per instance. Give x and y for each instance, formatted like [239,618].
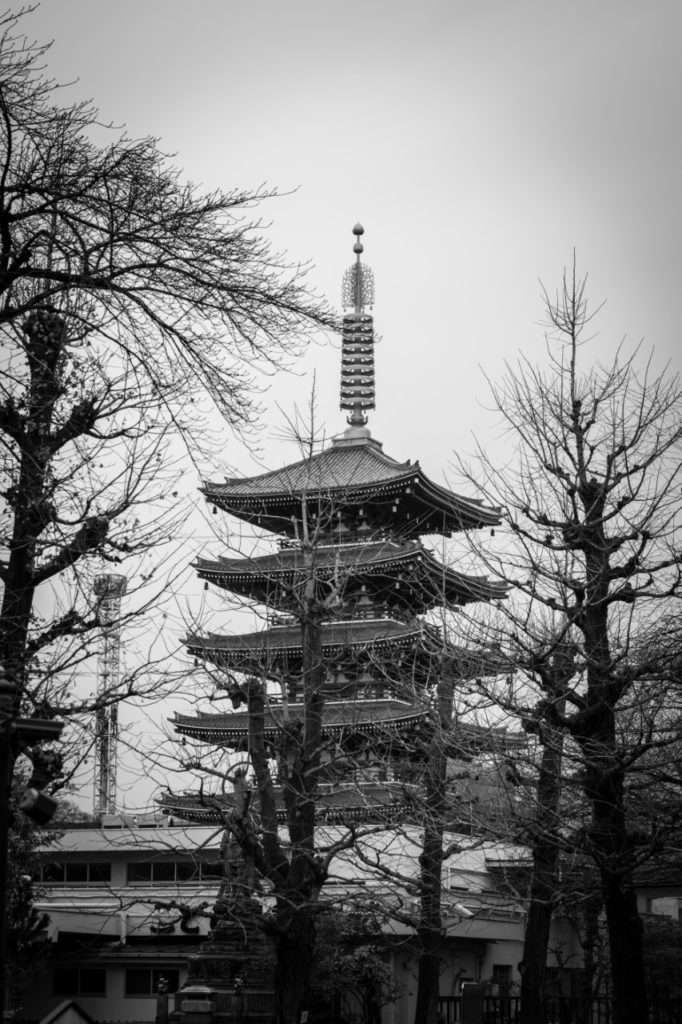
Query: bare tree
[130,303]
[278,782]
[593,505]
[293,761]
[125,297]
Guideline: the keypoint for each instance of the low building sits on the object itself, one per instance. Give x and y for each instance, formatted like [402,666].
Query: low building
[128,905]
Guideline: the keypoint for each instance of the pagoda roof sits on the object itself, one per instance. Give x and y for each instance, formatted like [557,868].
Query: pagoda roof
[354,801]
[369,558]
[352,469]
[368,717]
[365,717]
[279,648]
[337,636]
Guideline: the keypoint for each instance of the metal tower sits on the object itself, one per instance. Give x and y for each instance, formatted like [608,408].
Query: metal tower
[109,589]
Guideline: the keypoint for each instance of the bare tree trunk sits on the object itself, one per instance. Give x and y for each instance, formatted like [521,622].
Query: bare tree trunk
[592,906]
[297,936]
[544,881]
[613,856]
[605,789]
[430,926]
[429,930]
[295,952]
[31,515]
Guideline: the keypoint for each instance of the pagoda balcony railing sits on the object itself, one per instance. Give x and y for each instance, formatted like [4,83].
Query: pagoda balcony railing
[335,692]
[344,536]
[380,612]
[354,613]
[356,779]
[281,619]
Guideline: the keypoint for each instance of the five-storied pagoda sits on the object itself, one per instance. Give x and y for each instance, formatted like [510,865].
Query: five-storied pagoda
[360,515]
[349,521]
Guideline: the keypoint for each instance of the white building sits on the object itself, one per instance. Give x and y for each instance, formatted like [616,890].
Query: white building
[128,904]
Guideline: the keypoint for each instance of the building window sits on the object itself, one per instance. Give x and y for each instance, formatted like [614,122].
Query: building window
[139,872]
[211,870]
[144,981]
[164,871]
[170,871]
[99,873]
[76,873]
[80,981]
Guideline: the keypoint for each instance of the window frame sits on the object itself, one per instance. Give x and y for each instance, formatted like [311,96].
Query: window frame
[154,972]
[79,990]
[196,870]
[101,866]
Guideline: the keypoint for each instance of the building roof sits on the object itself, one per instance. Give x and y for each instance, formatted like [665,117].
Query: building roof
[338,467]
[351,470]
[359,716]
[345,803]
[402,846]
[423,575]
[101,949]
[268,645]
[171,840]
[277,649]
[68,1012]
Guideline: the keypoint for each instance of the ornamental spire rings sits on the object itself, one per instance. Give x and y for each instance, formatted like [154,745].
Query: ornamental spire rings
[357,350]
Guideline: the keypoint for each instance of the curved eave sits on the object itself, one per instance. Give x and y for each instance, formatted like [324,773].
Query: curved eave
[207,732]
[440,510]
[460,513]
[324,816]
[268,646]
[340,494]
[435,582]
[209,808]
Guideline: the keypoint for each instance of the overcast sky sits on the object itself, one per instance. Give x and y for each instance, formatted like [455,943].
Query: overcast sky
[479,143]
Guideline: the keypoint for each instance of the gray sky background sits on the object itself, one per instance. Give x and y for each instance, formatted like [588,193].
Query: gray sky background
[478,143]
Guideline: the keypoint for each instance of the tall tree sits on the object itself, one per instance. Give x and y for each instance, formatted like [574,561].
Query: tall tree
[126,296]
[593,505]
[130,301]
[284,774]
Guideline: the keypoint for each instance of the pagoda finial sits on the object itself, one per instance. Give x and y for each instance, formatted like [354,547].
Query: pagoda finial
[358,280]
[357,352]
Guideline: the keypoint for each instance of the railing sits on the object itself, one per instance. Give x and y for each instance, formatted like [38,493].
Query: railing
[558,1010]
[450,1009]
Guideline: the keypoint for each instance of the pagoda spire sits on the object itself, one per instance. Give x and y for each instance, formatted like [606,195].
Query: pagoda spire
[357,348]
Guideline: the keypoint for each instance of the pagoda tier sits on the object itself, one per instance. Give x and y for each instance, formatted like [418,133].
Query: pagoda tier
[369,578]
[336,804]
[365,657]
[343,721]
[395,723]
[349,491]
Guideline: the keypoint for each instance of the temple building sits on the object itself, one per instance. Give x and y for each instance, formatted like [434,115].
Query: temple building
[348,521]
